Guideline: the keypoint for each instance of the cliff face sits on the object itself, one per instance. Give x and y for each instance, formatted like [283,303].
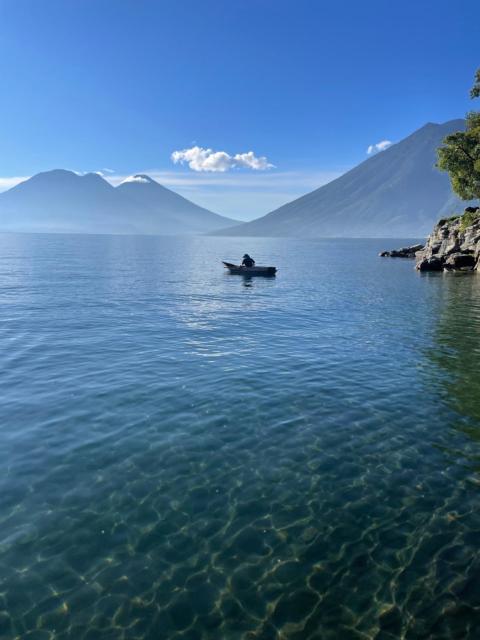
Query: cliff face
[454,244]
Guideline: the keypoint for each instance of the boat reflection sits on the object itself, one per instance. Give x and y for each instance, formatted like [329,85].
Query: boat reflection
[247,281]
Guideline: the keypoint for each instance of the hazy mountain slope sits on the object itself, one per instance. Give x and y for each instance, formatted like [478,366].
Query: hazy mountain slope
[396,193]
[175,211]
[62,201]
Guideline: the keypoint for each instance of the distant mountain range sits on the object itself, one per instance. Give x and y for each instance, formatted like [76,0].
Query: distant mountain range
[63,201]
[395,193]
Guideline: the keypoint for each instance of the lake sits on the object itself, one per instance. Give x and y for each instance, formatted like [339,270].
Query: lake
[187,454]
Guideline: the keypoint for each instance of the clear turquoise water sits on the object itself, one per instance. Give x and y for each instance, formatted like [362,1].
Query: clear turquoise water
[186,454]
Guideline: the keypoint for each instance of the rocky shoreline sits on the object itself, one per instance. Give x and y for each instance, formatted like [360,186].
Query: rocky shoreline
[404,252]
[453,245]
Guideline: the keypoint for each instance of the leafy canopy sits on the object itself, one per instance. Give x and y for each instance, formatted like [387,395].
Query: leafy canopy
[460,155]
[468,218]
[475,92]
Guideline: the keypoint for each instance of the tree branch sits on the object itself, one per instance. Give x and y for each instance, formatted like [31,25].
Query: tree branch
[466,153]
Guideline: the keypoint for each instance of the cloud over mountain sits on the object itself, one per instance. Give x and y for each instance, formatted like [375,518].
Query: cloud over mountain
[379,146]
[136,178]
[398,193]
[202,159]
[61,201]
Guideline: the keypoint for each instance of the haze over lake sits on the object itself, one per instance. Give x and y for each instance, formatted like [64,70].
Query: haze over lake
[188,454]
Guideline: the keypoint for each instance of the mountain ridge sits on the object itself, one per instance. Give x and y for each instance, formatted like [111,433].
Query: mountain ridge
[395,193]
[60,200]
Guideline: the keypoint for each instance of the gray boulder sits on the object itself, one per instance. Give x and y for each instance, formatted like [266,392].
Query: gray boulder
[460,261]
[452,247]
[430,264]
[404,252]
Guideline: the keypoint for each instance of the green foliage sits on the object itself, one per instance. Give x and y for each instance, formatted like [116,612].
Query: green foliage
[460,155]
[468,218]
[475,92]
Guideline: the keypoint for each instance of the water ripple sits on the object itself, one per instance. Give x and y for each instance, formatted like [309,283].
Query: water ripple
[188,455]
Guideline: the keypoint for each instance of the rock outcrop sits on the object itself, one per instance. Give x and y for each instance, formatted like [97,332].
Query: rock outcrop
[404,252]
[453,245]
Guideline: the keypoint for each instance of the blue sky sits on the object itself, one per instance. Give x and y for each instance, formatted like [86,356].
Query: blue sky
[308,85]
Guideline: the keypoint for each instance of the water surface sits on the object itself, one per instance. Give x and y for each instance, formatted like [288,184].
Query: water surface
[190,455]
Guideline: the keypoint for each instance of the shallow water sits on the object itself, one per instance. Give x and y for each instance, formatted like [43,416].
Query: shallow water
[187,454]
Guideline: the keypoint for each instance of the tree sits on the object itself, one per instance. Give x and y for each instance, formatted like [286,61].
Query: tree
[460,155]
[475,92]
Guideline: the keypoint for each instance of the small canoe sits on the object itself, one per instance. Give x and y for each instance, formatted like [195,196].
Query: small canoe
[240,270]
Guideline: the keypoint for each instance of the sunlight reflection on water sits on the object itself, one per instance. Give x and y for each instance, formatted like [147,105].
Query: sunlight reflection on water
[186,456]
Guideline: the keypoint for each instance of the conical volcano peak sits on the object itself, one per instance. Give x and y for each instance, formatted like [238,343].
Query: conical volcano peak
[55,176]
[141,178]
[398,193]
[68,202]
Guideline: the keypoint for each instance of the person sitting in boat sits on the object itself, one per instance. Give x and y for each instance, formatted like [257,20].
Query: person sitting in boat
[248,261]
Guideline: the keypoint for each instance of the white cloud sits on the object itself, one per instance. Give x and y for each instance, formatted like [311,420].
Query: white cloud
[250,161]
[241,195]
[8,183]
[306,180]
[201,159]
[99,172]
[379,146]
[136,178]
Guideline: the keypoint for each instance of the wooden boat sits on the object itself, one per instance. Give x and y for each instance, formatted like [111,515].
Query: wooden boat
[240,270]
